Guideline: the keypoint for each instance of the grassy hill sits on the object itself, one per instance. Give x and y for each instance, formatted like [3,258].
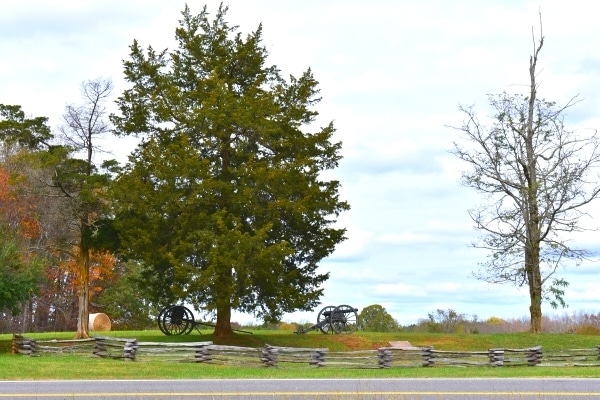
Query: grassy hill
[356,341]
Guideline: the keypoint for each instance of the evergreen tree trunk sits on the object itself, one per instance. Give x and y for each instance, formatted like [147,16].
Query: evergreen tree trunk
[223,327]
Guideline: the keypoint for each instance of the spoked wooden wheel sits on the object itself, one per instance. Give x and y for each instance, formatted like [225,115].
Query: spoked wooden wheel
[176,320]
[344,319]
[324,319]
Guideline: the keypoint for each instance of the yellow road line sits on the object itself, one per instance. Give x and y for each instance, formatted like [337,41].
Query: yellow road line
[292,394]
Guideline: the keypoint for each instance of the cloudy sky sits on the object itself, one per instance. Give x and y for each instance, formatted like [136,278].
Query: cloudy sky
[392,75]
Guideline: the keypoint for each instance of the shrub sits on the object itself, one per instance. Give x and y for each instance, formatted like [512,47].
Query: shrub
[587,330]
[291,327]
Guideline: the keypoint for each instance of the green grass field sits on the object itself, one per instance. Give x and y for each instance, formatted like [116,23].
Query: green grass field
[19,367]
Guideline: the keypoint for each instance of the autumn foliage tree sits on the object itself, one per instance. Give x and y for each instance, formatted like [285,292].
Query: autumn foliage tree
[20,267]
[20,230]
[51,199]
[82,181]
[101,265]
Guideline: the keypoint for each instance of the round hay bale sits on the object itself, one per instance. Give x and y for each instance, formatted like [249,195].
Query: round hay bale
[99,322]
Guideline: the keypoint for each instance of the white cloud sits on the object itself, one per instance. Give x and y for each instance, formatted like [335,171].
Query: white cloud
[355,247]
[393,289]
[392,74]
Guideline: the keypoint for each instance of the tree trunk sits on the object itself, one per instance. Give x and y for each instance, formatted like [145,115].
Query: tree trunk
[225,280]
[535,311]
[83,294]
[532,261]
[532,256]
[223,327]
[25,318]
[532,217]
[41,317]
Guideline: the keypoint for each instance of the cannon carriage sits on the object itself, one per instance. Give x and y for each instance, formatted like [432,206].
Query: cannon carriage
[175,320]
[332,319]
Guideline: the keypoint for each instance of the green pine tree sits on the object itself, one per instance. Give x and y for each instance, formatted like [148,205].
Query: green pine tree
[224,199]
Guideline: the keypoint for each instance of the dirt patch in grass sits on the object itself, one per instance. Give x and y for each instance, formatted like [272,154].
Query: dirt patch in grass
[444,342]
[378,345]
[350,342]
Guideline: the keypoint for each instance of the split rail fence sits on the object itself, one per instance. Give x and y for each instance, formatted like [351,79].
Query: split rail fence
[273,356]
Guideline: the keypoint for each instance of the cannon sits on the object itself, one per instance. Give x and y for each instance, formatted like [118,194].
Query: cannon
[179,320]
[332,319]
[176,320]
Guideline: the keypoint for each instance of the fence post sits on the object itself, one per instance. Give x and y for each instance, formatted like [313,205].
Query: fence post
[26,346]
[268,355]
[496,357]
[427,355]
[385,358]
[129,350]
[598,349]
[99,347]
[534,356]
[264,356]
[203,353]
[317,358]
[14,345]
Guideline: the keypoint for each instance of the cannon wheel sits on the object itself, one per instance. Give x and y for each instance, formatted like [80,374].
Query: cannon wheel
[324,320]
[176,320]
[344,319]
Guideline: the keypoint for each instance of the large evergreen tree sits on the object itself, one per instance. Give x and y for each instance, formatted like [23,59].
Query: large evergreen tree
[223,199]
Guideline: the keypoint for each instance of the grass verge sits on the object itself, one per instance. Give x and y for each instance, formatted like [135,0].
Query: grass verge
[18,367]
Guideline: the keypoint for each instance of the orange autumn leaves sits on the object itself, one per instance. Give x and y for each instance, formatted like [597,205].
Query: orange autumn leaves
[18,211]
[101,267]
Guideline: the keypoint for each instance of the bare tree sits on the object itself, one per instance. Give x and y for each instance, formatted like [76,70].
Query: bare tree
[79,181]
[535,174]
[85,123]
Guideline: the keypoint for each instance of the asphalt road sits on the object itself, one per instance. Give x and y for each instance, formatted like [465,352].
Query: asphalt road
[293,389]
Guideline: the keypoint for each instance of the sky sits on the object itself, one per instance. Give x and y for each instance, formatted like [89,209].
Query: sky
[392,75]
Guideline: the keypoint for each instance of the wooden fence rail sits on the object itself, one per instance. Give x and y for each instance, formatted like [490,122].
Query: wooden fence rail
[273,356]
[115,347]
[353,359]
[33,347]
[234,355]
[177,352]
[573,357]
